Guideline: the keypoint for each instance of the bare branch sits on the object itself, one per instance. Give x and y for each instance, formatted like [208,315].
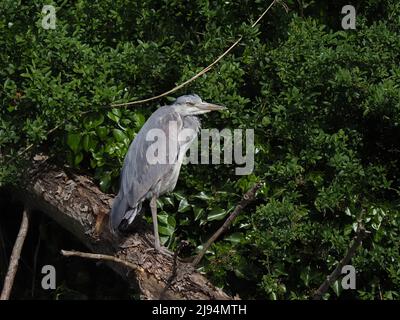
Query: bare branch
[174,268]
[360,235]
[98,256]
[248,197]
[15,256]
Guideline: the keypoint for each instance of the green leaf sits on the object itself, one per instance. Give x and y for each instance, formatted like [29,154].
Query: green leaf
[203,196]
[110,148]
[336,287]
[305,276]
[93,121]
[88,142]
[171,221]
[266,121]
[239,274]
[160,203]
[183,206]
[166,230]
[114,115]
[139,119]
[170,98]
[168,201]
[162,218]
[85,142]
[78,158]
[119,135]
[236,237]
[179,196]
[102,132]
[164,239]
[185,221]
[105,182]
[73,140]
[217,214]
[198,213]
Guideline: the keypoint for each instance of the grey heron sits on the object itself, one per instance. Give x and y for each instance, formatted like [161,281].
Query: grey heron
[143,179]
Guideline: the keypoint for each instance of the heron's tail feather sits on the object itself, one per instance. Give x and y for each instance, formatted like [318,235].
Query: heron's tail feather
[121,211]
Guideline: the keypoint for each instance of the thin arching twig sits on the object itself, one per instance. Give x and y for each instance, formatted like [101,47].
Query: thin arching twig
[15,256]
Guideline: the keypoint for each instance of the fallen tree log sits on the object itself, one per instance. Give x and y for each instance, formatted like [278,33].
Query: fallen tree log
[77,204]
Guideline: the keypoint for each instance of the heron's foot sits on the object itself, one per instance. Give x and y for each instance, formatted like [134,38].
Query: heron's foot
[165,251]
[162,250]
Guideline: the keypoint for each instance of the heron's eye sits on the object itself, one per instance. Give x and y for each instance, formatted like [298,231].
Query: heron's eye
[190,103]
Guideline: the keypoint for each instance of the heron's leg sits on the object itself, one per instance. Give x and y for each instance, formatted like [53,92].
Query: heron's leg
[157,246]
[153,207]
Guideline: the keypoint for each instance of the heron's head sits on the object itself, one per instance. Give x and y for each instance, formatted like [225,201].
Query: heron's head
[193,105]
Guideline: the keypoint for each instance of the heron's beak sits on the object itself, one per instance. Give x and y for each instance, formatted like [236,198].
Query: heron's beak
[210,106]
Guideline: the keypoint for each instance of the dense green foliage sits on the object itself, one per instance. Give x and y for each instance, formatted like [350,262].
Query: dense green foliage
[324,104]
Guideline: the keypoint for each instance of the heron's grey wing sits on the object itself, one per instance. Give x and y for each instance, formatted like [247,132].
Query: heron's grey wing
[138,175]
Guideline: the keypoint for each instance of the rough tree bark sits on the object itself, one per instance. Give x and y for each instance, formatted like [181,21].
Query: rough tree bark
[77,204]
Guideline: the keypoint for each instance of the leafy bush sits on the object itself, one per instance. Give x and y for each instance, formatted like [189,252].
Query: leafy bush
[324,104]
